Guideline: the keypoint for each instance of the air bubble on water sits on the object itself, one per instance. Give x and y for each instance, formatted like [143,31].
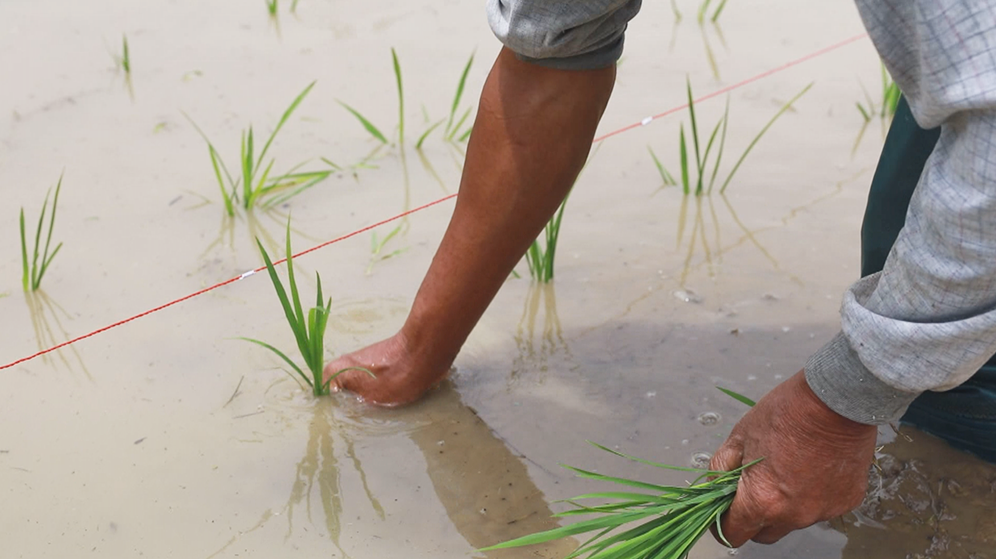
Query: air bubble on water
[709,418]
[652,394]
[733,551]
[786,329]
[684,442]
[687,296]
[701,459]
[751,377]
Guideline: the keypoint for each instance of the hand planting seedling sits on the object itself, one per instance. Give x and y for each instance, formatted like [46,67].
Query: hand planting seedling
[702,157]
[668,519]
[256,185]
[309,330]
[32,274]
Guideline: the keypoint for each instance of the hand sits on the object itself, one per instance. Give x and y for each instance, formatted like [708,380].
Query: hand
[399,379]
[815,465]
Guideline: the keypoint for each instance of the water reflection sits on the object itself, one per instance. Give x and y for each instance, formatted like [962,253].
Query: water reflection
[46,321]
[535,348]
[480,480]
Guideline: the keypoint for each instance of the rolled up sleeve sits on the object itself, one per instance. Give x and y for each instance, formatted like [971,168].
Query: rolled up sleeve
[928,320]
[563,34]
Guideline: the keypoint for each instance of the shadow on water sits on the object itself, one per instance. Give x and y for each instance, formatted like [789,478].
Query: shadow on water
[481,482]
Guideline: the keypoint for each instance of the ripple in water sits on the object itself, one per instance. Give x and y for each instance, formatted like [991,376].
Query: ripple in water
[701,460]
[709,418]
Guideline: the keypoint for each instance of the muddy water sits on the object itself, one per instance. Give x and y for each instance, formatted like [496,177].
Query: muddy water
[166,438]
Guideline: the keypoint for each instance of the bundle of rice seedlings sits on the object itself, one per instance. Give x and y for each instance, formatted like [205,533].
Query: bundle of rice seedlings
[653,522]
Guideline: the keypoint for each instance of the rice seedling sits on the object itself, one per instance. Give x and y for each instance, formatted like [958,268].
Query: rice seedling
[401,96]
[452,130]
[377,253]
[704,11]
[676,11]
[125,56]
[32,272]
[272,6]
[309,330]
[293,7]
[668,519]
[540,259]
[694,173]
[254,180]
[369,126]
[421,139]
[889,101]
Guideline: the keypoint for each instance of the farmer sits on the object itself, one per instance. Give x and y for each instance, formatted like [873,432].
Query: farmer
[924,324]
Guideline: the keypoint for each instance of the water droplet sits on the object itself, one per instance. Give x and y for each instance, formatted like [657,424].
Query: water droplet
[684,442]
[751,377]
[709,418]
[701,459]
[652,394]
[786,329]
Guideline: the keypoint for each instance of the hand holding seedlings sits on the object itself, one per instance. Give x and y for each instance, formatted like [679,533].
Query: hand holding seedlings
[815,464]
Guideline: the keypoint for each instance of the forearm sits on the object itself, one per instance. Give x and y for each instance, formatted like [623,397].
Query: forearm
[531,137]
[928,320]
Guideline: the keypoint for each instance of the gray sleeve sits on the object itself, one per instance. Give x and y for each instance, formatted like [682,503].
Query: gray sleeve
[928,320]
[563,34]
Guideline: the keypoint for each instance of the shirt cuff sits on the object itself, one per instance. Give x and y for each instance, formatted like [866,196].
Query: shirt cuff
[839,378]
[603,57]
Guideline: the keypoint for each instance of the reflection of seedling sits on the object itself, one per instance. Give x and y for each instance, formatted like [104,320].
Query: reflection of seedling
[377,248]
[670,519]
[309,331]
[701,161]
[889,102]
[32,274]
[255,182]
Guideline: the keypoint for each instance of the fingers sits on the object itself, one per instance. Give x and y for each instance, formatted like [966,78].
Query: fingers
[730,456]
[743,521]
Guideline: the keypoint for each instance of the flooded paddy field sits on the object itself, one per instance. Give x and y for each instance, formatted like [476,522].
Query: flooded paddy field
[168,437]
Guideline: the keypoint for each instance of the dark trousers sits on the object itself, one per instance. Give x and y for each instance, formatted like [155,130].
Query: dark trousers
[966,415]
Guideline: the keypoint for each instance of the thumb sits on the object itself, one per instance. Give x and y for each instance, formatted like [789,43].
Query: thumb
[340,376]
[739,523]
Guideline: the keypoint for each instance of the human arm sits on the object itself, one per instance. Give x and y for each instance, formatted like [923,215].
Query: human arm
[927,321]
[533,131]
